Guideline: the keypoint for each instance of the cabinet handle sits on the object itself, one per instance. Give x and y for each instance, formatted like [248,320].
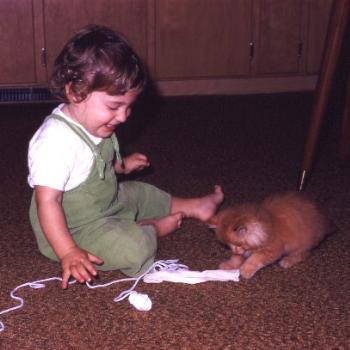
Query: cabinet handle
[251,49]
[300,49]
[43,56]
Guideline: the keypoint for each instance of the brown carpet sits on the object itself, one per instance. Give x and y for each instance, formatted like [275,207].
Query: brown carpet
[252,146]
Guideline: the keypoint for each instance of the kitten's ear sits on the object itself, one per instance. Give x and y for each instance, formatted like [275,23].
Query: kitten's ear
[213,222]
[241,230]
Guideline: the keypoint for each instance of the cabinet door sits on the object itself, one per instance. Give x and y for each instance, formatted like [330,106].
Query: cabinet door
[319,14]
[202,38]
[17,60]
[64,17]
[277,36]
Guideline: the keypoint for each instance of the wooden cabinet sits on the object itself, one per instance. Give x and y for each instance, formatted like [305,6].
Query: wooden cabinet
[233,46]
[64,17]
[190,46]
[277,37]
[224,38]
[19,58]
[202,38]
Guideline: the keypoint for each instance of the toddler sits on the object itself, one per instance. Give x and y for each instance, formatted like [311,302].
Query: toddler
[81,215]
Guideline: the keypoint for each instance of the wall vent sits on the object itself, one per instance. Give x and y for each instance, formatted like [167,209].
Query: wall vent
[18,95]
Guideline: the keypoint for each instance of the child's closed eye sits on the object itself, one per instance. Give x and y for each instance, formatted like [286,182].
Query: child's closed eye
[113,108]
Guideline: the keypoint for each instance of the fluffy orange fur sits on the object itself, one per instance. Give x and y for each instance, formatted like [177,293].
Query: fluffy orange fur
[284,227]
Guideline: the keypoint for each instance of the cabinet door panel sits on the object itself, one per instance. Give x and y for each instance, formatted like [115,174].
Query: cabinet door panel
[17,61]
[202,38]
[277,36]
[64,17]
[318,24]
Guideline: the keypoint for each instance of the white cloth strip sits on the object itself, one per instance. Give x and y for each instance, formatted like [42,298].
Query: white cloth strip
[191,277]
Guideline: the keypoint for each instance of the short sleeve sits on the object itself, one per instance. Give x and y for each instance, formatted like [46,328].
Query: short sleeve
[52,155]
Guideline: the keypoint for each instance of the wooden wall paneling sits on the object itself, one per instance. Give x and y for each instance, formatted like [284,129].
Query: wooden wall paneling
[127,16]
[202,38]
[277,36]
[319,13]
[17,57]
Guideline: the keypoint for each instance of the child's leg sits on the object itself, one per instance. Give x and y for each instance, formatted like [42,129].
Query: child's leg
[202,208]
[148,205]
[155,207]
[164,225]
[121,244]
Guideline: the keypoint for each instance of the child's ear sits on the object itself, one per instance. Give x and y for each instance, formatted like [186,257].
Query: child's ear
[68,91]
[212,222]
[70,94]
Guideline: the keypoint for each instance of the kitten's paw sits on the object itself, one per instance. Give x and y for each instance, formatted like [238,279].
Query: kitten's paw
[248,270]
[246,274]
[233,263]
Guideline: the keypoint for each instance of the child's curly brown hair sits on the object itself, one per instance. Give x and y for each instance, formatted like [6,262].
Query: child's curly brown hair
[96,59]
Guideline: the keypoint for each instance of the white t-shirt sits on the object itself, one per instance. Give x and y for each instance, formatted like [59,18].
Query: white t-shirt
[57,156]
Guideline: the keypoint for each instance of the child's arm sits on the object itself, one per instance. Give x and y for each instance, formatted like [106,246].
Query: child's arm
[75,261]
[135,161]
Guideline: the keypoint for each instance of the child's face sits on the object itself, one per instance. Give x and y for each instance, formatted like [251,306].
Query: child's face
[101,113]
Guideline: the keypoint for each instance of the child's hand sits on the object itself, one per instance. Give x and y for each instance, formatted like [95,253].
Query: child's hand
[78,264]
[135,162]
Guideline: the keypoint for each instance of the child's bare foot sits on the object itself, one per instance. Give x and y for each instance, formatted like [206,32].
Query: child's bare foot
[208,205]
[202,208]
[166,224]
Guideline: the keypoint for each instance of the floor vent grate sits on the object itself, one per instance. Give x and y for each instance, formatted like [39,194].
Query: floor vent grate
[25,95]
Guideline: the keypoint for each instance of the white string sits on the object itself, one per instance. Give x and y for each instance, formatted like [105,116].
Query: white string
[160,265]
[35,285]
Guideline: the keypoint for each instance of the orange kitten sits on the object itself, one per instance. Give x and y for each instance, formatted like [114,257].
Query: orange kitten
[284,227]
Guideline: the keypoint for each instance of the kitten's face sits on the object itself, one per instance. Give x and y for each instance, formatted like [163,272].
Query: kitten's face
[239,228]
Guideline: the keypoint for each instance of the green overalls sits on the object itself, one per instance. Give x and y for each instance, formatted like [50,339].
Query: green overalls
[101,213]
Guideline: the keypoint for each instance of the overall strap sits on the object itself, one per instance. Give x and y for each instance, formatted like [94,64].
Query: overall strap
[116,149]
